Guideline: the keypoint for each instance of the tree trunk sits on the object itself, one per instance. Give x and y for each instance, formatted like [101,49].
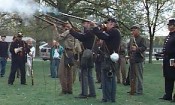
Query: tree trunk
[151,49]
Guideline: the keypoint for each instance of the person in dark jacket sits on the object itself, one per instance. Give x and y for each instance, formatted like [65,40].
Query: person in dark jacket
[87,38]
[169,62]
[19,50]
[98,59]
[136,49]
[3,55]
[111,43]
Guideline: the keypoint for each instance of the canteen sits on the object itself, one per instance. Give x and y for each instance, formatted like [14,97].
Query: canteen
[114,57]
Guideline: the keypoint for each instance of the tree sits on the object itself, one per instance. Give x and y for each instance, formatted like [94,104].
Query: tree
[9,23]
[126,12]
[99,10]
[154,10]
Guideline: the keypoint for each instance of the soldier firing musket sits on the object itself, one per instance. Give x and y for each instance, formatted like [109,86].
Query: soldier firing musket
[67,60]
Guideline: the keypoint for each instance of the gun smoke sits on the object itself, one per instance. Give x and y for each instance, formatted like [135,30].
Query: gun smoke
[23,8]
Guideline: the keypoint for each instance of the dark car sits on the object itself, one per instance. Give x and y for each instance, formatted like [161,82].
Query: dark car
[158,55]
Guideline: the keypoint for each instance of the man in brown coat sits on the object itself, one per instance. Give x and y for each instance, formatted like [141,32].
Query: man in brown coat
[66,62]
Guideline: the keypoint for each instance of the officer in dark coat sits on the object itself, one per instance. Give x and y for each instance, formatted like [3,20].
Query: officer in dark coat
[169,61]
[19,50]
[111,44]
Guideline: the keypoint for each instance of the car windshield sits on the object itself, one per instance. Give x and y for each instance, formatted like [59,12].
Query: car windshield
[43,50]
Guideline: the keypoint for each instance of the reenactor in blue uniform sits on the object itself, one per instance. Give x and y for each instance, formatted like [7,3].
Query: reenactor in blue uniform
[87,38]
[111,37]
[169,62]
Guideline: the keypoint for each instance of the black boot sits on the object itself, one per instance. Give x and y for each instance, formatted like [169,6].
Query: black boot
[173,98]
[165,97]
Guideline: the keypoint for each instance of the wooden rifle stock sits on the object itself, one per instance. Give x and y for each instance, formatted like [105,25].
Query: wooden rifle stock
[135,44]
[133,79]
[132,68]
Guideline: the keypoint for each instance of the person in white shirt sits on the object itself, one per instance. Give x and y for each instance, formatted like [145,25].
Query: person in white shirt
[55,56]
[30,57]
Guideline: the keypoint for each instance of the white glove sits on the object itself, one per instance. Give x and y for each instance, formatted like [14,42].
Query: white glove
[18,50]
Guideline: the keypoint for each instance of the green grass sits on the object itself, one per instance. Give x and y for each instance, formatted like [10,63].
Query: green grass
[46,90]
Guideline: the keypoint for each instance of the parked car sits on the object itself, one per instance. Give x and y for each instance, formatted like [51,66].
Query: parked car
[158,55]
[45,52]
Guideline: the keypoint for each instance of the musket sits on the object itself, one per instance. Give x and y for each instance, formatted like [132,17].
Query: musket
[49,22]
[135,44]
[133,79]
[54,18]
[79,18]
[63,22]
[76,17]
[133,67]
[32,77]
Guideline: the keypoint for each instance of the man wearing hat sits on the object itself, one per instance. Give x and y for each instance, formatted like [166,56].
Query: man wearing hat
[169,62]
[19,50]
[111,41]
[65,69]
[136,48]
[87,38]
[3,55]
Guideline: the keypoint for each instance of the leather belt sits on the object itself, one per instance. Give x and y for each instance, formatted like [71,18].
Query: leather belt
[68,49]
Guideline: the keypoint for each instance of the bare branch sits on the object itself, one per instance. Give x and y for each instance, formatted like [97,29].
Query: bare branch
[101,5]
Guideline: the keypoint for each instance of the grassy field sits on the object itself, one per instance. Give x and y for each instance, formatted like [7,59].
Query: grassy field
[46,90]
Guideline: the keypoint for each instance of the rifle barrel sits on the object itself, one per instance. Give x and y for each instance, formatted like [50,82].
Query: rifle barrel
[49,22]
[79,18]
[59,20]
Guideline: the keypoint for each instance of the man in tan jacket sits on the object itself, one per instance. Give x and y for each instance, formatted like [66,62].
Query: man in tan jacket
[67,61]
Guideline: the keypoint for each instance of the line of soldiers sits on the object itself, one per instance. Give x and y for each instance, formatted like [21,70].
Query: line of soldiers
[108,42]
[97,45]
[86,60]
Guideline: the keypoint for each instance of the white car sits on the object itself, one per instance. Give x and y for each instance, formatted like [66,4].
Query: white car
[45,51]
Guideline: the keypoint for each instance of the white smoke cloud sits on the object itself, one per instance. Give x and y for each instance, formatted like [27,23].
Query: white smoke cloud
[24,8]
